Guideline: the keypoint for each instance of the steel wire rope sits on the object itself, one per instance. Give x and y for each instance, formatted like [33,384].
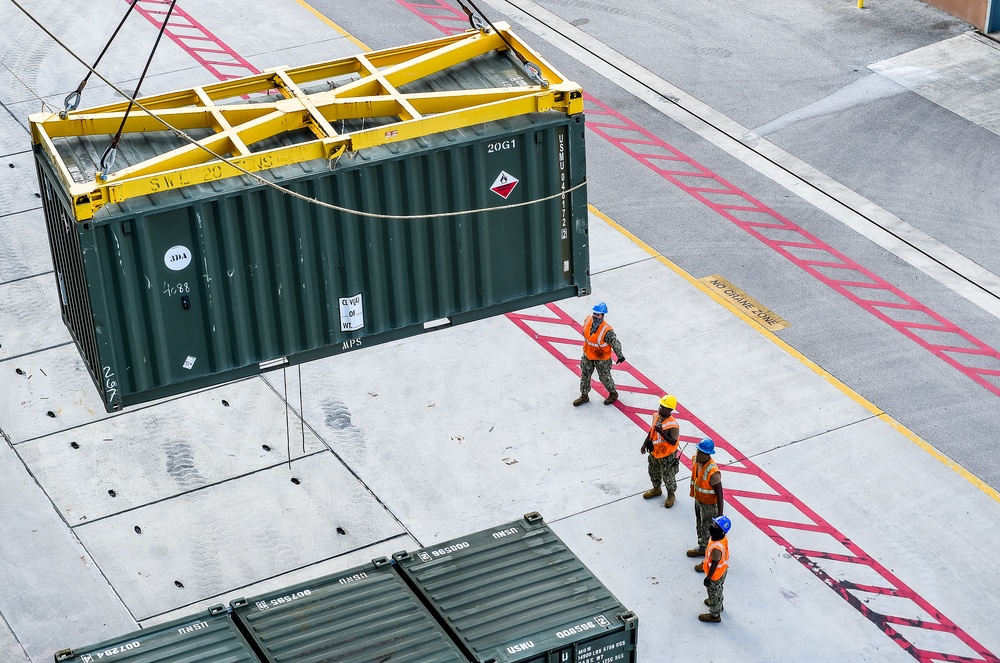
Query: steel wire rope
[468,12]
[288,434]
[264,181]
[492,27]
[45,104]
[533,70]
[302,414]
[108,158]
[72,100]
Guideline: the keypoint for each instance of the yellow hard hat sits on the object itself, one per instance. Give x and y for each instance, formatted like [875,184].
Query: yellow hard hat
[669,401]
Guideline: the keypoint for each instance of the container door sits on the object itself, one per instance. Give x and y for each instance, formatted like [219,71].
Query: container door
[178,300]
[615,647]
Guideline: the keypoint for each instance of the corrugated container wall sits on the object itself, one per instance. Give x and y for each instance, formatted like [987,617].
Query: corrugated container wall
[517,593]
[361,615]
[199,286]
[209,637]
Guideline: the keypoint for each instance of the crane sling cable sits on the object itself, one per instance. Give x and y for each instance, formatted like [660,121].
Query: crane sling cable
[533,71]
[474,20]
[263,181]
[108,158]
[441,111]
[72,100]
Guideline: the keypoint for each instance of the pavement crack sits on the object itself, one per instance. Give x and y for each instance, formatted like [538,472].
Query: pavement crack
[191,491]
[628,264]
[339,419]
[20,211]
[739,460]
[3,620]
[25,278]
[258,581]
[35,352]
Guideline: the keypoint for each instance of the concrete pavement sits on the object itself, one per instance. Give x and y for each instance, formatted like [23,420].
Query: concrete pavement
[426,439]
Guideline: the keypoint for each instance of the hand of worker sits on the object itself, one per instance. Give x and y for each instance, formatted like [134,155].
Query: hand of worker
[621,359]
[706,581]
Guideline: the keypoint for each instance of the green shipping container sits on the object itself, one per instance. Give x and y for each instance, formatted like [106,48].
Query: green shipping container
[517,593]
[175,291]
[209,637]
[362,615]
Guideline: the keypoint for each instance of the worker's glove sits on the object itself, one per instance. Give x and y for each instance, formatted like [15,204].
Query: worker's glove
[707,581]
[647,446]
[621,359]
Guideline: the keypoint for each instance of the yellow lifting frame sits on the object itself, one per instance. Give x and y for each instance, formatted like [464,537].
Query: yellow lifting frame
[237,126]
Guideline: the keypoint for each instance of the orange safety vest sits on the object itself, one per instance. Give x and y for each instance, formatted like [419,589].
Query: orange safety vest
[701,490]
[594,346]
[663,447]
[723,566]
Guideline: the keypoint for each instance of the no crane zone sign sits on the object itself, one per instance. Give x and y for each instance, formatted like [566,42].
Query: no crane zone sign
[745,304]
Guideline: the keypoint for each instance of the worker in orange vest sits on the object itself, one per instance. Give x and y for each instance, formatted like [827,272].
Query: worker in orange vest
[661,444]
[706,489]
[598,341]
[715,566]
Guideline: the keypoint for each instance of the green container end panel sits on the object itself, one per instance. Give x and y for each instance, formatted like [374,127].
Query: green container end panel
[204,285]
[209,637]
[517,593]
[362,615]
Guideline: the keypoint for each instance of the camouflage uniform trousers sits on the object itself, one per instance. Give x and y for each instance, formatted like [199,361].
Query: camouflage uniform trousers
[665,470]
[703,514]
[603,367]
[715,595]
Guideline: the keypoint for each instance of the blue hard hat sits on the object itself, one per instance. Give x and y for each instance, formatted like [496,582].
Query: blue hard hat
[724,523]
[707,446]
[601,308]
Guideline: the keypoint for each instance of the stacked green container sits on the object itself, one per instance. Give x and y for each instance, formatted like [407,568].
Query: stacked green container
[208,637]
[509,594]
[363,615]
[517,593]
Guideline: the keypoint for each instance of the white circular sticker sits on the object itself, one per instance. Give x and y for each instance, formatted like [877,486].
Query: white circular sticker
[177,258]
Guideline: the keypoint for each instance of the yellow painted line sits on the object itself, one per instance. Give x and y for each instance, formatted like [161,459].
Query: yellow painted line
[948,462]
[858,398]
[747,306]
[318,14]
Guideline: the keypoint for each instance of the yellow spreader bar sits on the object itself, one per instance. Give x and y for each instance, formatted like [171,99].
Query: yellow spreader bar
[236,126]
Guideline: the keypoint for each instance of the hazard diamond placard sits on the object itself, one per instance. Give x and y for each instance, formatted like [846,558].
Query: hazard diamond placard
[504,184]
